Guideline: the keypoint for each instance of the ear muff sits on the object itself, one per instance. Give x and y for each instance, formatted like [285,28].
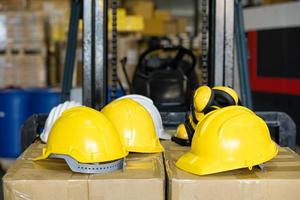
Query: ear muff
[203,98]
[181,132]
[212,108]
[181,136]
[225,96]
[196,116]
[240,102]
[193,114]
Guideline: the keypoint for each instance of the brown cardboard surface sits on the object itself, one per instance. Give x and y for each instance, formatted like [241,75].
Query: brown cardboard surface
[143,8]
[12,4]
[164,15]
[181,25]
[171,27]
[280,179]
[154,27]
[274,1]
[51,179]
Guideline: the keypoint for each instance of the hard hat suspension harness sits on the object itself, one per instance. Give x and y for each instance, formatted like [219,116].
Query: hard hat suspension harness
[90,168]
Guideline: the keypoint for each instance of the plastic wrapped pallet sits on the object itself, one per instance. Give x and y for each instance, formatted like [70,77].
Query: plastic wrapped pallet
[22,71]
[22,30]
[22,49]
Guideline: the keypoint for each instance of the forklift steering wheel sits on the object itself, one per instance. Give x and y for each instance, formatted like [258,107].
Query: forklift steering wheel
[181,52]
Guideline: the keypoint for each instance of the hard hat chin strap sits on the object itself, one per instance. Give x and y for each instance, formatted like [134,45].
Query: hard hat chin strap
[90,168]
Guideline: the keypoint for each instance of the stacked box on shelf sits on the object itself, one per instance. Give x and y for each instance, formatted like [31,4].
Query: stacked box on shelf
[22,49]
[143,8]
[3,32]
[13,4]
[22,71]
[57,12]
[58,15]
[24,30]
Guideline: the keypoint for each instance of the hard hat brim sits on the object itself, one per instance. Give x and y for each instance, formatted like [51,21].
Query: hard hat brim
[46,154]
[195,164]
[192,163]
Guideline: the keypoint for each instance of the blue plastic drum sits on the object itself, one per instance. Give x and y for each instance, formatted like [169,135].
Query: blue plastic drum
[119,93]
[14,110]
[43,100]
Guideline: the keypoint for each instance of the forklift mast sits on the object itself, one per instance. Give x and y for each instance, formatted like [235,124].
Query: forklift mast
[217,32]
[94,15]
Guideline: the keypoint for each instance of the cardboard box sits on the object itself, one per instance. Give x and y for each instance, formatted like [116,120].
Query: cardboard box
[51,179]
[181,25]
[266,2]
[170,27]
[22,70]
[121,13]
[131,23]
[164,15]
[58,12]
[154,27]
[43,5]
[13,4]
[143,8]
[280,179]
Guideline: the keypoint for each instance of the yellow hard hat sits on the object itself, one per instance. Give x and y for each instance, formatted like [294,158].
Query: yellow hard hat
[229,138]
[134,124]
[83,135]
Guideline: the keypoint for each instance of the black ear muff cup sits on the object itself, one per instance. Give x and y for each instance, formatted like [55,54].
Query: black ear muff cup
[212,108]
[210,102]
[192,110]
[181,141]
[223,99]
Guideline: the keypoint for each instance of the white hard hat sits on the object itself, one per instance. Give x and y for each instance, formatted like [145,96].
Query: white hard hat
[55,113]
[147,103]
